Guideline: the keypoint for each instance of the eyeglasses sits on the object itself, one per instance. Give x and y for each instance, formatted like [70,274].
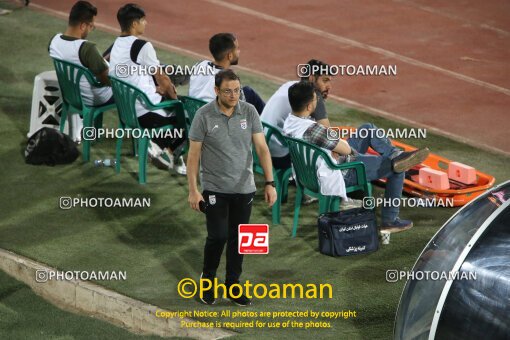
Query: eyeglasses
[229,92]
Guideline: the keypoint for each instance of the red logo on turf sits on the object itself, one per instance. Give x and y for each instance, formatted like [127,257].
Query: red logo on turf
[253,239]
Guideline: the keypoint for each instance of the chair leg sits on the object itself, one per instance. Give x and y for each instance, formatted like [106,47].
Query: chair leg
[87,123]
[86,150]
[135,147]
[63,117]
[324,202]
[283,177]
[143,144]
[277,205]
[297,206]
[334,204]
[118,151]
[285,184]
[98,121]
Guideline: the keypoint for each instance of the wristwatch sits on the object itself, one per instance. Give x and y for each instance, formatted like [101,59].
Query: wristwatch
[271,183]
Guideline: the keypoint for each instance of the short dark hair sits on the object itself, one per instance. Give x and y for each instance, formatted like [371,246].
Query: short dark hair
[220,44]
[82,12]
[300,95]
[127,14]
[227,74]
[317,68]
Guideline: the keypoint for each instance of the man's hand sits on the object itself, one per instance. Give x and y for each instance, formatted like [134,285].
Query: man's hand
[270,195]
[103,77]
[164,85]
[335,155]
[324,121]
[194,199]
[194,196]
[167,93]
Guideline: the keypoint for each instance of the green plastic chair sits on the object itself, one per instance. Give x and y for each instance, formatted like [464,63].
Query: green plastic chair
[280,176]
[191,106]
[69,76]
[126,96]
[304,158]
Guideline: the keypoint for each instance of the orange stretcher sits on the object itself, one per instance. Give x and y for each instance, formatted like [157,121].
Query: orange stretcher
[459,193]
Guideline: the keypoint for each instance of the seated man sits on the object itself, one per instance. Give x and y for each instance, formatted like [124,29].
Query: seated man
[278,108]
[129,52]
[72,47]
[391,163]
[224,48]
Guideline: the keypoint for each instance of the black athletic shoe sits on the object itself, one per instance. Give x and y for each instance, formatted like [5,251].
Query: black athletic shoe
[406,160]
[207,296]
[242,300]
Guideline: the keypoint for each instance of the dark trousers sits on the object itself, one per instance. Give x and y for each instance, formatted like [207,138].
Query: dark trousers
[152,120]
[224,213]
[281,162]
[253,98]
[379,166]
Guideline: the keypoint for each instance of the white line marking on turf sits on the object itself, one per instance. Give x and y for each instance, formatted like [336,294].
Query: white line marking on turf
[361,45]
[452,16]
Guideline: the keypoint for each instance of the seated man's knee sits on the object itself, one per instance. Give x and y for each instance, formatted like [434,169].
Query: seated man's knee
[367,126]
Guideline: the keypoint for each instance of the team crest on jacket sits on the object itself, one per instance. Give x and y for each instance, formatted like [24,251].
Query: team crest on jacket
[244,124]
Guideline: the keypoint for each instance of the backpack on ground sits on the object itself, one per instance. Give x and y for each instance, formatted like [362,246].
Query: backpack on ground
[49,146]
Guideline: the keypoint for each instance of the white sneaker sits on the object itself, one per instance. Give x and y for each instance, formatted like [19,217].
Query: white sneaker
[180,167]
[350,203]
[169,157]
[154,150]
[158,157]
[307,200]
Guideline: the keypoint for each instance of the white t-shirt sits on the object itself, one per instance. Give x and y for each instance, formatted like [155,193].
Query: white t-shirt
[275,112]
[120,57]
[278,108]
[331,181]
[69,50]
[201,85]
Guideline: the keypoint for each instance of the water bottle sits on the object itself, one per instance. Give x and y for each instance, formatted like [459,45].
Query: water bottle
[104,162]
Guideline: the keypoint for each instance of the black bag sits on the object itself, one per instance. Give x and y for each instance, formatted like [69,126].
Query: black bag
[348,232]
[49,146]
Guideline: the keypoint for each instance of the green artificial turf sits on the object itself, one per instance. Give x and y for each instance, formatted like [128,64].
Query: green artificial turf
[24,315]
[160,245]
